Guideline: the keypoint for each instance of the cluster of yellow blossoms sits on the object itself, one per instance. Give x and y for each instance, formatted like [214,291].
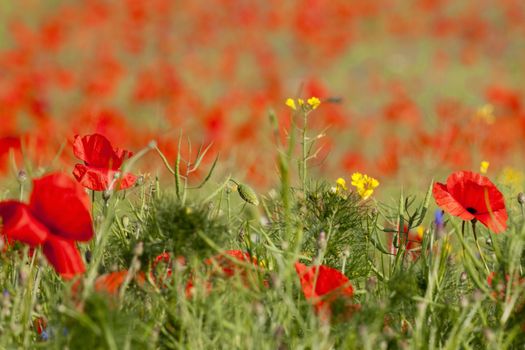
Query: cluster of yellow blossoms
[364,185]
[311,104]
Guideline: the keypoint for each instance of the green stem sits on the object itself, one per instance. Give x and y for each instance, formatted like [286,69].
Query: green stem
[478,246]
[303,163]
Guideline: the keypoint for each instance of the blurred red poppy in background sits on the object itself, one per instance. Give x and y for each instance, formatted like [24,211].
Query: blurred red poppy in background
[411,239]
[472,196]
[101,168]
[227,263]
[57,215]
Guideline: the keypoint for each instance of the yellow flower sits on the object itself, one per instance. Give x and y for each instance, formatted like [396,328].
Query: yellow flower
[364,184]
[311,104]
[484,167]
[341,184]
[340,187]
[357,178]
[314,102]
[291,103]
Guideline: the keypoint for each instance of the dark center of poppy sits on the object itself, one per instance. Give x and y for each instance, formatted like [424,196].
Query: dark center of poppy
[472,210]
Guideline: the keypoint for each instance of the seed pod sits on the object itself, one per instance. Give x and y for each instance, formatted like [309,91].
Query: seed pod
[247,194]
[88,256]
[521,198]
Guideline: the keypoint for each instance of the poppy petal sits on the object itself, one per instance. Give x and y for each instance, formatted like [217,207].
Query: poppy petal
[64,256]
[63,206]
[448,203]
[496,221]
[122,154]
[99,179]
[97,151]
[20,225]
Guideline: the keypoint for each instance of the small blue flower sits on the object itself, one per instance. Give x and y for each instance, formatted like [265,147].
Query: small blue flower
[439,218]
[44,335]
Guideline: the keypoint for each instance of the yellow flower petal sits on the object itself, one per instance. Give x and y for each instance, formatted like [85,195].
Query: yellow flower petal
[314,102]
[341,182]
[291,103]
[364,184]
[484,166]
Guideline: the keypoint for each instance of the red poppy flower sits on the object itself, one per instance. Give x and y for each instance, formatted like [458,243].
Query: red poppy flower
[323,285]
[57,215]
[472,196]
[101,168]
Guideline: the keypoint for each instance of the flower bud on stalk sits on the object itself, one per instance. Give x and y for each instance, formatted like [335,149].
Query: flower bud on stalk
[521,201]
[247,194]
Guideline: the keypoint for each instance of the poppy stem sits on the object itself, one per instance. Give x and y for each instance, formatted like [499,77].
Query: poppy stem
[478,246]
[463,235]
[304,151]
[92,203]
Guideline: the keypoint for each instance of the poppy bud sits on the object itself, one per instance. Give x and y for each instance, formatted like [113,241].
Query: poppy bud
[125,221]
[489,335]
[371,283]
[464,302]
[22,176]
[247,194]
[521,198]
[463,277]
[321,241]
[139,249]
[106,195]
[152,144]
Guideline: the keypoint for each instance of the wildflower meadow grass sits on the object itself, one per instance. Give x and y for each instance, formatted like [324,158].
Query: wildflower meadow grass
[262,175]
